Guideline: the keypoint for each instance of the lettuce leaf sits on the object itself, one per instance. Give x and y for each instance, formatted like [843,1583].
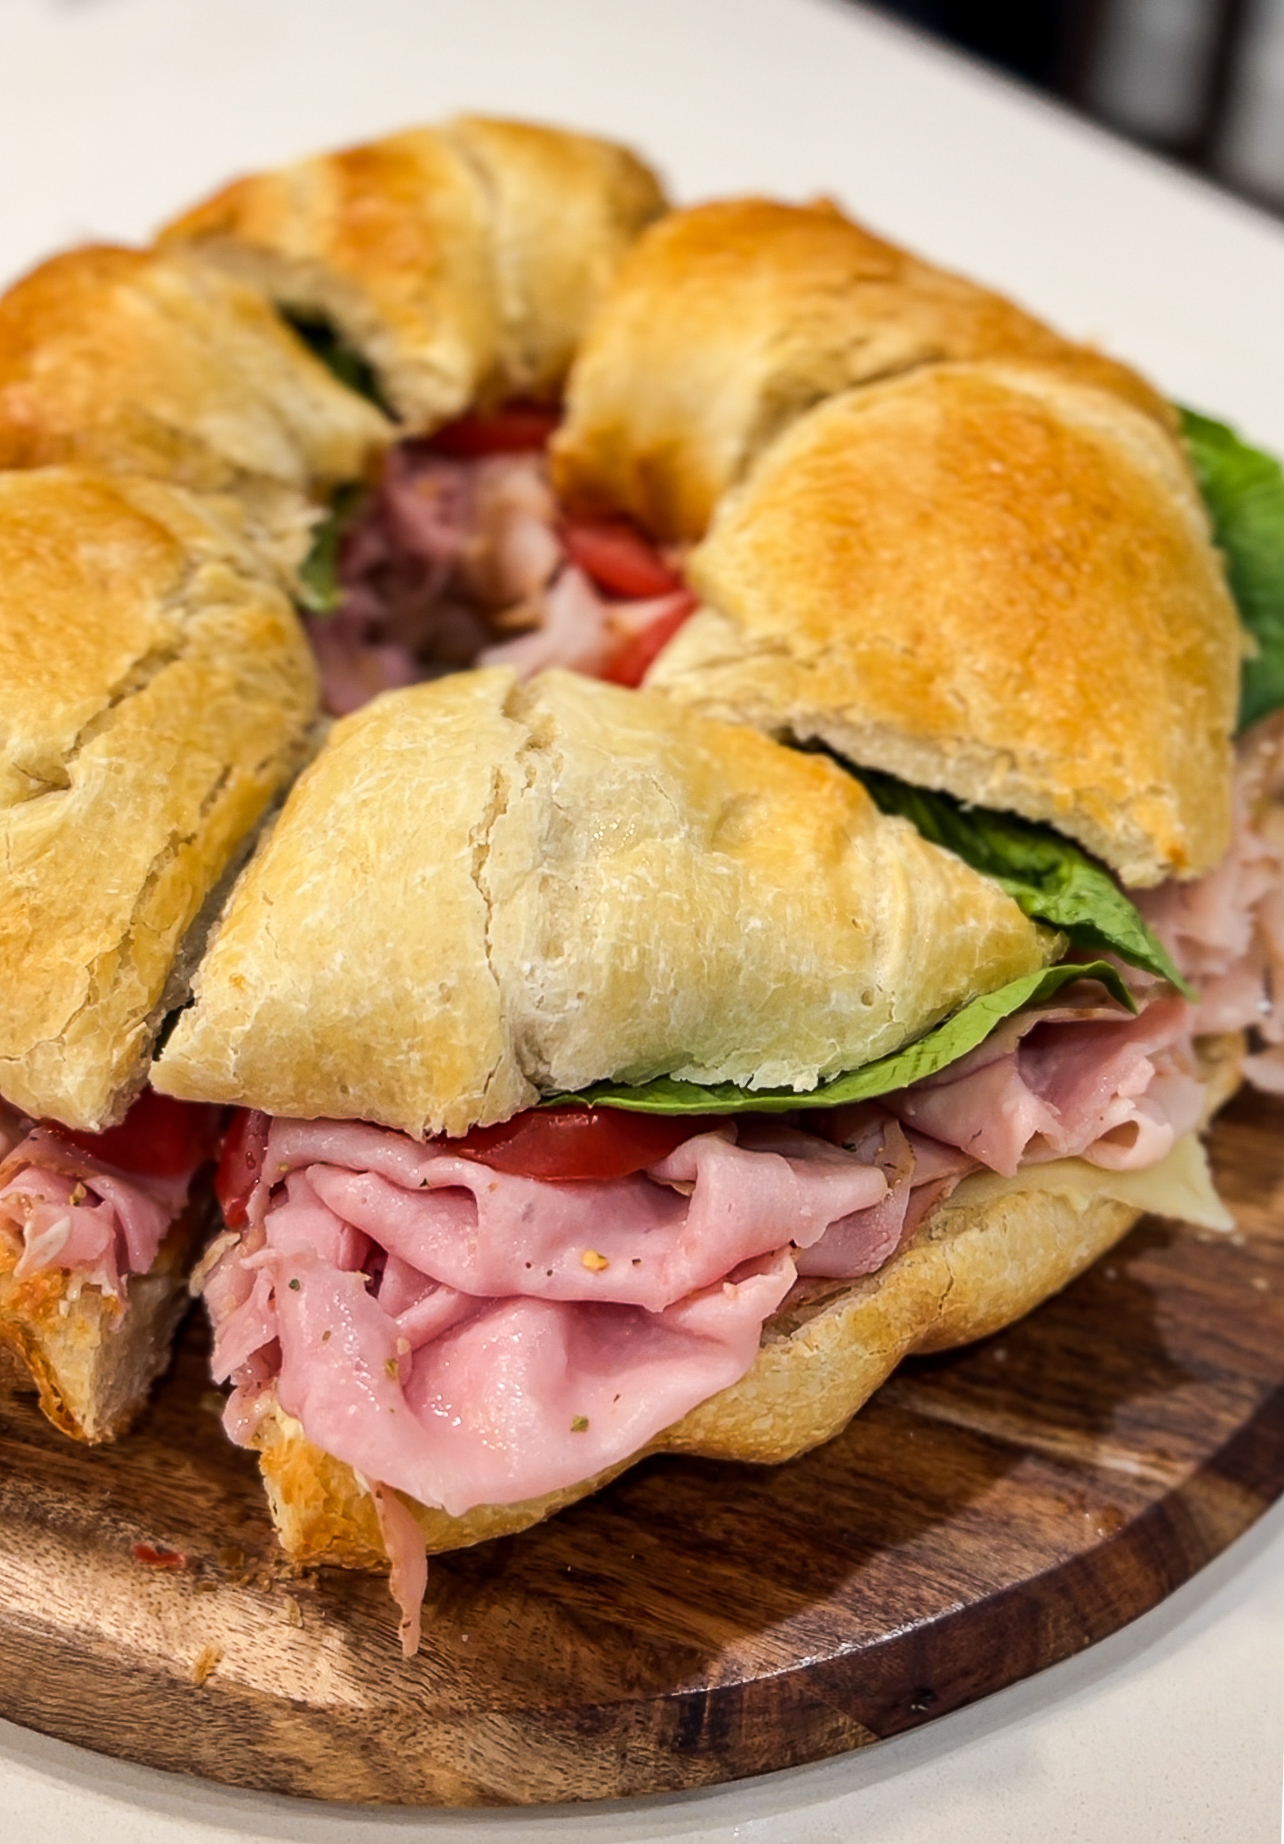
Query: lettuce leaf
[943,1045]
[1049,879]
[1244,492]
[344,361]
[319,589]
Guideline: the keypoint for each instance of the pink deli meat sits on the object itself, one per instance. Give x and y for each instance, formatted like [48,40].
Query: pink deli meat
[451,563]
[1226,930]
[619,1304]
[467,1336]
[74,1211]
[1092,1083]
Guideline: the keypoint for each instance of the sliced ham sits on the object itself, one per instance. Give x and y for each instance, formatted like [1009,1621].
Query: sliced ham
[1092,1083]
[465,1336]
[75,1211]
[452,562]
[1225,931]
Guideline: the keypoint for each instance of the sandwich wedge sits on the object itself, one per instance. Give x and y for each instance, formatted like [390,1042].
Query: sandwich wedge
[614,1079]
[157,695]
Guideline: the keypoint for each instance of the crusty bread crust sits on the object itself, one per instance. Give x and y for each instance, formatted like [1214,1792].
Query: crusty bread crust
[991,579]
[91,1356]
[971,1269]
[575,882]
[728,320]
[156,692]
[144,362]
[460,261]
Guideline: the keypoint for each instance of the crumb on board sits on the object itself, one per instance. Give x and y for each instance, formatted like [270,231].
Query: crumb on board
[158,1556]
[205,1661]
[293,1612]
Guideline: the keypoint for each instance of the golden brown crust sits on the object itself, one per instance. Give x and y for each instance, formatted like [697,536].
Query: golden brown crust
[513,891]
[981,1261]
[989,579]
[93,1357]
[730,319]
[155,693]
[564,208]
[131,361]
[428,249]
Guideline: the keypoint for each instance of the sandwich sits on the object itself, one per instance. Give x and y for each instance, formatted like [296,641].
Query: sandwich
[619,1071]
[812,487]
[615,1080]
[158,695]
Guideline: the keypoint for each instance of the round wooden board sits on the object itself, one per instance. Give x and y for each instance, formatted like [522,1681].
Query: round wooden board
[989,1513]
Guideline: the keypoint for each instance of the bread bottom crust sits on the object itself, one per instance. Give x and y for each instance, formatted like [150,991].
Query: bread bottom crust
[971,1269]
[92,1357]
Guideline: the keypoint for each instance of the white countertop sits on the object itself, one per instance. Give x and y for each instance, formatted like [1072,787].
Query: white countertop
[115,112]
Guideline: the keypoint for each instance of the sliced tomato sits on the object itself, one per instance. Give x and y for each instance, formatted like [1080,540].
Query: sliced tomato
[636,657]
[244,1150]
[515,429]
[618,558]
[579,1143]
[158,1135]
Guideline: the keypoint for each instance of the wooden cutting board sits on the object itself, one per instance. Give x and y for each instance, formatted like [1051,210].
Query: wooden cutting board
[989,1513]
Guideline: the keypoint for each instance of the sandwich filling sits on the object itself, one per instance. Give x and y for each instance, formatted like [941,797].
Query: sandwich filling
[468,1332]
[459,555]
[99,1206]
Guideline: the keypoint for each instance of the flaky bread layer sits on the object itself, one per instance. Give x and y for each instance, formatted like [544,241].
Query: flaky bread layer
[990,579]
[94,1357]
[982,1260]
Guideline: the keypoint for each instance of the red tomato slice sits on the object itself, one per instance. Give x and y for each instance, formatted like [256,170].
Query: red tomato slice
[636,657]
[618,558]
[516,429]
[571,1143]
[158,1135]
[244,1150]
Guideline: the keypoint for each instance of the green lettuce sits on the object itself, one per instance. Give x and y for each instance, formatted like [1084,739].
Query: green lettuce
[1049,879]
[338,357]
[945,1044]
[1244,492]
[319,590]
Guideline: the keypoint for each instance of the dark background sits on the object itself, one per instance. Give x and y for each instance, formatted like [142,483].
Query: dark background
[1192,79]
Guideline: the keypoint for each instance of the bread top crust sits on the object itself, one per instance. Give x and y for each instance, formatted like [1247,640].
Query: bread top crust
[730,319]
[564,208]
[990,579]
[132,361]
[460,261]
[155,694]
[481,892]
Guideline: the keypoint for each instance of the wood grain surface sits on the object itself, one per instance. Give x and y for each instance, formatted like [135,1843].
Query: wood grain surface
[990,1512]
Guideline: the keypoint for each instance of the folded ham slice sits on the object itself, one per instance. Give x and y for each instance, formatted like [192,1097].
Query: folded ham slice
[76,1210]
[1089,1083]
[1225,931]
